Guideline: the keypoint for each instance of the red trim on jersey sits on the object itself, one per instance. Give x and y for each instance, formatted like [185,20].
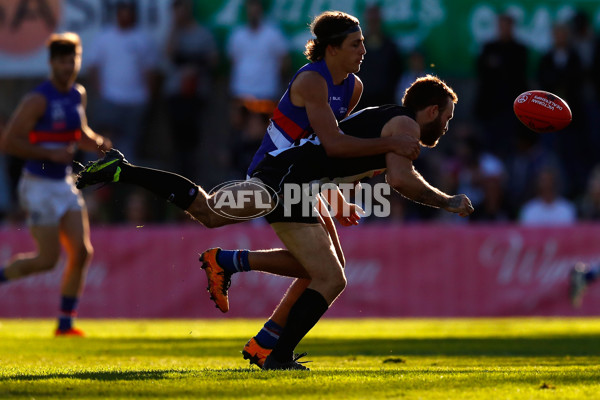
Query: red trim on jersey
[57,137]
[292,129]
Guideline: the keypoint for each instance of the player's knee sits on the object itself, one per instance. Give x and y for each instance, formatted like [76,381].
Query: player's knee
[335,280]
[79,254]
[84,252]
[200,211]
[339,283]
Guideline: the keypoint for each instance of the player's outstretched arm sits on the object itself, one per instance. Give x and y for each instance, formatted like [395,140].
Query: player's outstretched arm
[403,178]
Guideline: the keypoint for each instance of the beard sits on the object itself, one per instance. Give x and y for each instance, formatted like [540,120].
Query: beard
[431,132]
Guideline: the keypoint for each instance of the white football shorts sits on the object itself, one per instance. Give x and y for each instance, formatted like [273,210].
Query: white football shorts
[47,200]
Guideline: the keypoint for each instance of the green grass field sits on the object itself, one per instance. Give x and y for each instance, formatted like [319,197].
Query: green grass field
[352,359]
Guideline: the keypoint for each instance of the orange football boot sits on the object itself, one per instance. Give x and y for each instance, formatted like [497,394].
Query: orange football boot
[218,279]
[255,353]
[69,332]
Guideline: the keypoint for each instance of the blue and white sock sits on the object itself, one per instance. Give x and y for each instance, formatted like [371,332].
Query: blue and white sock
[268,336]
[68,305]
[234,261]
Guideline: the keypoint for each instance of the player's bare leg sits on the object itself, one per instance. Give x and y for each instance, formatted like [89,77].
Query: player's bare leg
[280,313]
[237,202]
[182,192]
[311,245]
[281,262]
[75,238]
[42,260]
[219,265]
[278,262]
[279,318]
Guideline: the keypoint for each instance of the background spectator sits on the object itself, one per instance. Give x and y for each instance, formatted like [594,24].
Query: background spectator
[192,57]
[254,126]
[492,181]
[589,206]
[529,158]
[561,72]
[548,207]
[501,77]
[6,187]
[382,66]
[593,101]
[416,67]
[258,52]
[123,68]
[259,55]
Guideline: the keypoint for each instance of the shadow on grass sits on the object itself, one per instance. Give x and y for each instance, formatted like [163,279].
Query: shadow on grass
[462,376]
[498,347]
[530,346]
[543,346]
[142,375]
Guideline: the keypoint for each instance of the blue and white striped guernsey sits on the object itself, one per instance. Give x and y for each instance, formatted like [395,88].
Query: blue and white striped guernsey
[59,126]
[290,123]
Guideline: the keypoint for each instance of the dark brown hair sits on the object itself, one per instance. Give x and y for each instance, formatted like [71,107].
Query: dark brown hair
[60,44]
[329,28]
[427,91]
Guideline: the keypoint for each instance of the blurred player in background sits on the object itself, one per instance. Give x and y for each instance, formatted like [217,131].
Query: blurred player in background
[46,130]
[582,275]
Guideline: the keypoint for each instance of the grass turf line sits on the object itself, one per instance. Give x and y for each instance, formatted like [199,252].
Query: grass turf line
[352,359]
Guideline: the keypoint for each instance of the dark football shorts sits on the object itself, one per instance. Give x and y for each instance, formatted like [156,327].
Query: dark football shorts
[308,162]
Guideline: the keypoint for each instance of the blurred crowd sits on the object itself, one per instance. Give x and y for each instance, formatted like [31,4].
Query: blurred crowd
[175,108]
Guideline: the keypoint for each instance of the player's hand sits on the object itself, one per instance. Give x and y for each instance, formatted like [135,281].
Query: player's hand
[104,146]
[63,155]
[461,205]
[407,146]
[350,215]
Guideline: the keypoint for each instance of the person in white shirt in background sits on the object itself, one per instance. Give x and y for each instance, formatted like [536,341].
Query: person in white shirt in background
[122,65]
[259,56]
[548,207]
[259,52]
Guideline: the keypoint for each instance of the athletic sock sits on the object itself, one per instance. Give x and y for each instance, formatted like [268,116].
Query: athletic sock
[169,186]
[67,312]
[3,277]
[234,261]
[268,336]
[592,274]
[305,313]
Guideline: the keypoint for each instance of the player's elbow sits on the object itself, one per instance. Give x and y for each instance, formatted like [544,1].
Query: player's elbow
[396,180]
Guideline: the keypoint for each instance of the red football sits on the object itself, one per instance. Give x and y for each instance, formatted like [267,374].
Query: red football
[542,111]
